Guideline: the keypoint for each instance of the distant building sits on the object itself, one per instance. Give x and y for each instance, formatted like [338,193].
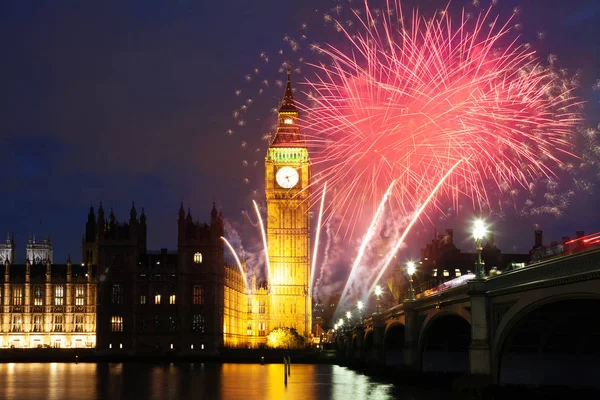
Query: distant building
[45,304]
[566,246]
[442,261]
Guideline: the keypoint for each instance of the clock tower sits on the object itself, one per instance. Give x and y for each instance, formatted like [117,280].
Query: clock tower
[288,176]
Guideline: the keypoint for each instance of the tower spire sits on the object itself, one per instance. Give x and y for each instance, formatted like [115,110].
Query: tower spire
[288,104]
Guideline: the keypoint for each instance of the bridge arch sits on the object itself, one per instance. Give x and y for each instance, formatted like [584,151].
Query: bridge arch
[369,347]
[393,345]
[444,343]
[551,341]
[355,346]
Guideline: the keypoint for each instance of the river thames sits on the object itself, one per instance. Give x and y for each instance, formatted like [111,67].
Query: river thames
[87,381]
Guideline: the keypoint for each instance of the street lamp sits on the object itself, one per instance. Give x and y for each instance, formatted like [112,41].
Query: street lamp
[378,292]
[478,234]
[349,318]
[410,269]
[359,305]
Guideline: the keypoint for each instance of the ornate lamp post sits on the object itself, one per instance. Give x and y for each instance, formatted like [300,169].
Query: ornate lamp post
[410,269]
[478,234]
[349,318]
[359,306]
[378,292]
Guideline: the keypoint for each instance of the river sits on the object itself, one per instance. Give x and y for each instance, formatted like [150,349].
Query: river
[87,381]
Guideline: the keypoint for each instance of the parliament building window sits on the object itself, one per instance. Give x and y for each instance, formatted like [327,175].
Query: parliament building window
[249,330]
[58,323]
[157,298]
[261,329]
[17,295]
[38,296]
[143,299]
[198,295]
[261,307]
[59,297]
[198,258]
[79,296]
[116,324]
[37,323]
[117,294]
[172,299]
[198,323]
[17,323]
[79,323]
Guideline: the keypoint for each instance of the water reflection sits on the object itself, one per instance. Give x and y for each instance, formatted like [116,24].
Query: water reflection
[199,381]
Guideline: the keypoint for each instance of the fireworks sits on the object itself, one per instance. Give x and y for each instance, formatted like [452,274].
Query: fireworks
[409,114]
[317,237]
[412,97]
[237,261]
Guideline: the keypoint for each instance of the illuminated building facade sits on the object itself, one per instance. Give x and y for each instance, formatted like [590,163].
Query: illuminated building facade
[287,182]
[44,304]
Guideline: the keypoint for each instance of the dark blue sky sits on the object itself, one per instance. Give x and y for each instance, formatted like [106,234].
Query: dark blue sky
[130,100]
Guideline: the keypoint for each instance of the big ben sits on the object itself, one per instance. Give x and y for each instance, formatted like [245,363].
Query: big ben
[288,177]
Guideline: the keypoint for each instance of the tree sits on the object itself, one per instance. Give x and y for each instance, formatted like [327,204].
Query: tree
[285,338]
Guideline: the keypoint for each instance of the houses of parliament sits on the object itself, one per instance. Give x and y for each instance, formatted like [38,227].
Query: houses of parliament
[125,297]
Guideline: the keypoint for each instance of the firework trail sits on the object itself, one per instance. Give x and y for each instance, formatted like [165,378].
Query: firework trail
[416,216]
[237,260]
[264,238]
[406,98]
[316,248]
[325,259]
[366,240]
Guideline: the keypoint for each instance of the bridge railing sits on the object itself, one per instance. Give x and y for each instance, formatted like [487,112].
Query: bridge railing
[557,267]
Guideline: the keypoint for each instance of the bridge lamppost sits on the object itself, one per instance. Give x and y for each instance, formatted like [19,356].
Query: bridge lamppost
[359,306]
[410,269]
[349,318]
[478,234]
[378,292]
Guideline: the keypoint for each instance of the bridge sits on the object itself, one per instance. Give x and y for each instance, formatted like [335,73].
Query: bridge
[535,325]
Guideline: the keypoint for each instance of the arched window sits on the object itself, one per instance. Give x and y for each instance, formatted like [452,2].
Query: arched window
[198,258]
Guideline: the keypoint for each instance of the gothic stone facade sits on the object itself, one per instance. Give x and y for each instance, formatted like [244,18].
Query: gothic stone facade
[164,300]
[45,304]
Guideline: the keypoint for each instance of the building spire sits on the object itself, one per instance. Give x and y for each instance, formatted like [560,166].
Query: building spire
[132,213]
[288,104]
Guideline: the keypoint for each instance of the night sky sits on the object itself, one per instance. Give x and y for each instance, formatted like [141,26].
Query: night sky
[125,101]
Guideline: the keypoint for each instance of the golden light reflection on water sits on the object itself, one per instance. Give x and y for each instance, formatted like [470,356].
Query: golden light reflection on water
[57,381]
[47,381]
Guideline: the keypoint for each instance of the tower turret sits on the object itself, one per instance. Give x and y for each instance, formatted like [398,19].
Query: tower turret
[181,213]
[132,214]
[69,269]
[100,223]
[111,219]
[90,226]
[213,214]
[7,249]
[27,271]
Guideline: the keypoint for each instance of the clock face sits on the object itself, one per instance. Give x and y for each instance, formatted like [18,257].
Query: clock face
[286,177]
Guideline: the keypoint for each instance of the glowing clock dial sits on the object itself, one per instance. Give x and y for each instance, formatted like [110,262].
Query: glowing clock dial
[287,177]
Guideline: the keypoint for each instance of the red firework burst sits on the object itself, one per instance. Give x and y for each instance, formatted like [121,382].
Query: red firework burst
[406,99]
